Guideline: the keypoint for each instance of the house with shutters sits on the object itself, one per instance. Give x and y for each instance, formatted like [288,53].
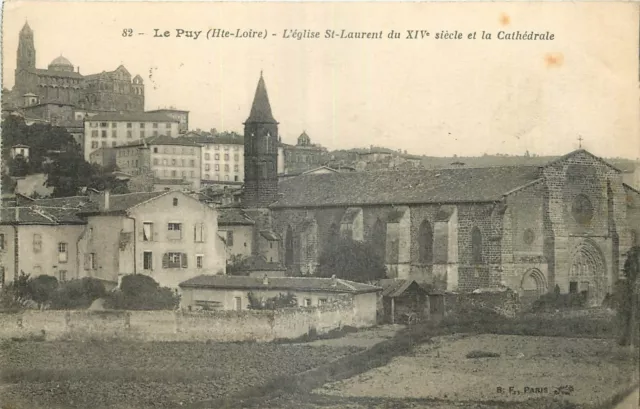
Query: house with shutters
[169,236]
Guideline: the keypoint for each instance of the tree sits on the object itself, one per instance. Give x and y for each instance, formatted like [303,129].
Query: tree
[626,297]
[19,167]
[352,260]
[80,293]
[141,292]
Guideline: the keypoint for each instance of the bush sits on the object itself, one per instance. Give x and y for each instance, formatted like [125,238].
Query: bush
[141,292]
[556,301]
[482,354]
[42,288]
[78,293]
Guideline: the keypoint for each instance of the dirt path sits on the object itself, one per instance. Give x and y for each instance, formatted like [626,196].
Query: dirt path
[632,401]
[366,338]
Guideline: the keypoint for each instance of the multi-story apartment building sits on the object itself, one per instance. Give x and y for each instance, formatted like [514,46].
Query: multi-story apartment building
[181,116]
[108,130]
[168,159]
[223,157]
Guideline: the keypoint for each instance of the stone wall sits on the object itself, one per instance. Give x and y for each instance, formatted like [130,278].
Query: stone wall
[216,326]
[505,303]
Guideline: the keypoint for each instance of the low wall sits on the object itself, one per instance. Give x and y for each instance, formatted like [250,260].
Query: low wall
[217,326]
[502,302]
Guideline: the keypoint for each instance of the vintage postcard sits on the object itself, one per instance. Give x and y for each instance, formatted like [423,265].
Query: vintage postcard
[320,205]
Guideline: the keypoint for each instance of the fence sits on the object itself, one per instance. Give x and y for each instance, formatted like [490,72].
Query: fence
[217,326]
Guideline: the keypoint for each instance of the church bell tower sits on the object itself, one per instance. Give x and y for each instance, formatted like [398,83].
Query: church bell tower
[26,50]
[260,152]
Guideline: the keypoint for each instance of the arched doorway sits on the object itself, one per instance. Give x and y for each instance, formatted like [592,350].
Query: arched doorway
[532,286]
[588,272]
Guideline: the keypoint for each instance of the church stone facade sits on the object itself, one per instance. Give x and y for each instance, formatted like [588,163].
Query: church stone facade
[62,83]
[568,223]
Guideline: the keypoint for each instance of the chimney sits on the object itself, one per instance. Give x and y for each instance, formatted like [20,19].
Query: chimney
[265,280]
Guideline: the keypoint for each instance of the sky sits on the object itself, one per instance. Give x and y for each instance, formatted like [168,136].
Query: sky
[427,96]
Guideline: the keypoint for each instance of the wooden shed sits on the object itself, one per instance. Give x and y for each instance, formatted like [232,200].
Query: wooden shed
[403,298]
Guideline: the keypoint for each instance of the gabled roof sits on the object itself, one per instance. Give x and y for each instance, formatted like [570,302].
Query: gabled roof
[308,284]
[261,108]
[122,203]
[395,288]
[233,216]
[444,186]
[578,151]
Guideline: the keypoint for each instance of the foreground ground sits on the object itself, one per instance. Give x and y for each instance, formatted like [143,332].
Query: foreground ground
[143,375]
[386,367]
[583,371]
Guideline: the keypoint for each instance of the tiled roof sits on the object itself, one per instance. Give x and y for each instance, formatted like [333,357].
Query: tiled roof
[229,216]
[310,284]
[455,185]
[47,211]
[121,203]
[261,108]
[132,117]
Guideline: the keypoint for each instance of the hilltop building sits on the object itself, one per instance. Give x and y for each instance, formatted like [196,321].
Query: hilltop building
[62,83]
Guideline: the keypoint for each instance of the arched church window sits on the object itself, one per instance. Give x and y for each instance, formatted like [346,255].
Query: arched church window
[476,245]
[582,209]
[288,247]
[425,241]
[379,237]
[634,237]
[528,236]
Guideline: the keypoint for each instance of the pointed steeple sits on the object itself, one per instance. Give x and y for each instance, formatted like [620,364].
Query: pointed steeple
[261,108]
[26,29]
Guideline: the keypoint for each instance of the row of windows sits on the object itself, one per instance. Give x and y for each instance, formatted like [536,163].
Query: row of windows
[207,167]
[174,162]
[114,134]
[216,147]
[175,150]
[171,260]
[207,176]
[174,173]
[154,125]
[216,156]
[174,232]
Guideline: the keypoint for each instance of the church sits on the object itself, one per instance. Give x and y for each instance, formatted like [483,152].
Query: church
[567,223]
[61,83]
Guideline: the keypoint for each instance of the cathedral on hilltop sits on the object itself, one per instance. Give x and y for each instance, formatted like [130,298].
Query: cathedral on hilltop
[565,224]
[61,83]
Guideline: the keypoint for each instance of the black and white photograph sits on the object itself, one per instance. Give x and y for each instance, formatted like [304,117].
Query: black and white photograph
[320,205]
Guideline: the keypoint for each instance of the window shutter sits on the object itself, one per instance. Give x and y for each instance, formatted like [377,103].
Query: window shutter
[184,260]
[165,260]
[203,232]
[195,233]
[86,262]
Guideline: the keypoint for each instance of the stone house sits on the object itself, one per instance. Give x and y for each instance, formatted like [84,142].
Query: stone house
[169,236]
[39,237]
[231,292]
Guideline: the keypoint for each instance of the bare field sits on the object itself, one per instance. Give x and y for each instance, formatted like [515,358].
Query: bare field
[577,369]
